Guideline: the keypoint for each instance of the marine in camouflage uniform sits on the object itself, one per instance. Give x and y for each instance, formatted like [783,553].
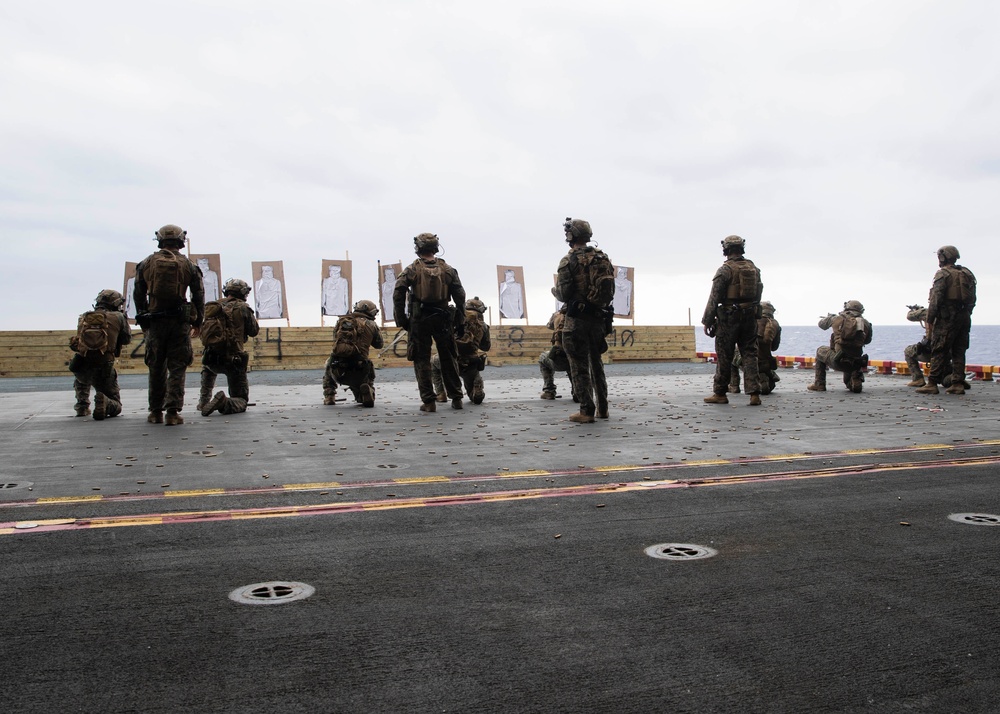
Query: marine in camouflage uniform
[166,324]
[356,373]
[470,366]
[768,340]
[97,369]
[231,360]
[949,311]
[585,327]
[554,359]
[921,351]
[841,356]
[731,318]
[431,321]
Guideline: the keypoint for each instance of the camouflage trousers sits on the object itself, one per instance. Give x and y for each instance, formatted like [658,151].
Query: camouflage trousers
[357,375]
[98,372]
[168,355]
[915,354]
[853,367]
[468,372]
[550,362]
[234,367]
[766,376]
[734,328]
[436,330]
[584,342]
[949,341]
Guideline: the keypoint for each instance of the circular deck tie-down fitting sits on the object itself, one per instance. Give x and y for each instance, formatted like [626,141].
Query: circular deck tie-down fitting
[975,519]
[278,592]
[680,551]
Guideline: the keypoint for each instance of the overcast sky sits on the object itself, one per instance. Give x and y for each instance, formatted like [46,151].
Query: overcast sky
[845,141]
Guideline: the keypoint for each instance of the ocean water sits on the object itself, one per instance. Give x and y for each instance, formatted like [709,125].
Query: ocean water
[888,342]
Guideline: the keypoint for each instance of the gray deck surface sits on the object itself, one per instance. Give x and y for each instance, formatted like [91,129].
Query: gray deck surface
[493,558]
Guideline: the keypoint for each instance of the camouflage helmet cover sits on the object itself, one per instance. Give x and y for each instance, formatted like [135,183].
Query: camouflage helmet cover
[766,308]
[366,307]
[426,242]
[948,253]
[577,229]
[854,306]
[237,287]
[171,232]
[109,298]
[476,304]
[731,243]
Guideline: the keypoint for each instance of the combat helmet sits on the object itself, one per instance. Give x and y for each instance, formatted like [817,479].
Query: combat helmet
[426,243]
[766,309]
[170,232]
[236,287]
[732,244]
[476,304]
[366,307]
[109,298]
[948,254]
[577,229]
[854,306]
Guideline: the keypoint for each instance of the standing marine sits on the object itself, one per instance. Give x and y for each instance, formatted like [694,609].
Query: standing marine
[768,340]
[472,348]
[162,283]
[554,359]
[228,324]
[100,335]
[585,281]
[849,333]
[427,284]
[349,365]
[731,318]
[949,311]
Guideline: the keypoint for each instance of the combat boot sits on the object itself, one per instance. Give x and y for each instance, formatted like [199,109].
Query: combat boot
[441,397]
[82,411]
[917,381]
[816,387]
[456,403]
[929,388]
[478,396]
[367,395]
[733,388]
[955,388]
[428,407]
[582,418]
[100,407]
[204,397]
[329,399]
[755,400]
[716,399]
[602,410]
[214,403]
[173,418]
[155,417]
[545,395]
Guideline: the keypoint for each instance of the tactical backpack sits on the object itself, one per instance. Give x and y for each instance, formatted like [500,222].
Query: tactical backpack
[851,333]
[744,285]
[430,283]
[468,343]
[347,339]
[167,276]
[222,329]
[599,275]
[961,285]
[94,333]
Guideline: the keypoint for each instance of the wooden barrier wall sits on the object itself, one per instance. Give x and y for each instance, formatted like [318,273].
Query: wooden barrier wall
[46,352]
